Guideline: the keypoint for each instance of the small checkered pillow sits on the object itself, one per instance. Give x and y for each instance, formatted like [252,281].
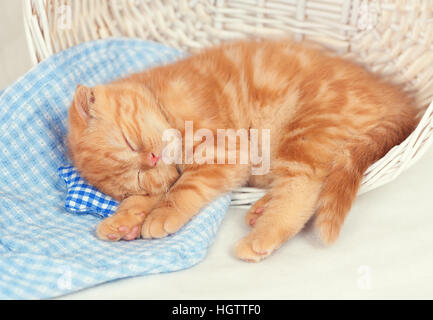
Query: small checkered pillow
[83,198]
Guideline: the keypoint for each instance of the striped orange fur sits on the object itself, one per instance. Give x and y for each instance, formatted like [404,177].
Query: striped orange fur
[329,119]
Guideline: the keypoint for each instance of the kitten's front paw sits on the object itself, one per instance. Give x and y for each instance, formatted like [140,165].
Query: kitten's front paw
[161,222]
[126,222]
[119,227]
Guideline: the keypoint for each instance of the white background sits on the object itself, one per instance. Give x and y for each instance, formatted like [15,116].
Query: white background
[385,249]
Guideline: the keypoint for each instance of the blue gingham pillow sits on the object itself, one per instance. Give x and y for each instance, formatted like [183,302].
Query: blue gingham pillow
[84,198]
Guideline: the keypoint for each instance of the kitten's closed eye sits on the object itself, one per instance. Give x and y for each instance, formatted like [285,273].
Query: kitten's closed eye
[129,144]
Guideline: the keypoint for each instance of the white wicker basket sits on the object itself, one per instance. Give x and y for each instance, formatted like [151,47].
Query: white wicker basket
[390,37]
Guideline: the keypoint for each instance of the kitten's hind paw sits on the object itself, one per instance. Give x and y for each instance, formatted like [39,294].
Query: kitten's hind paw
[253,215]
[256,211]
[254,248]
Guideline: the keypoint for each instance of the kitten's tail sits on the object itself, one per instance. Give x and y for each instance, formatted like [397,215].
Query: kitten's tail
[341,186]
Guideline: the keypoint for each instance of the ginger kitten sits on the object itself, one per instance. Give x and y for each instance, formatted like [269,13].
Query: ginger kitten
[329,120]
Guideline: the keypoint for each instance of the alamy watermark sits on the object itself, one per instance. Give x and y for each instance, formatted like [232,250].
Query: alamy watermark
[364,281]
[64,282]
[64,17]
[368,14]
[204,147]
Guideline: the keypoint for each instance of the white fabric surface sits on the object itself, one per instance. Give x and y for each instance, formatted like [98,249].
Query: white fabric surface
[385,251]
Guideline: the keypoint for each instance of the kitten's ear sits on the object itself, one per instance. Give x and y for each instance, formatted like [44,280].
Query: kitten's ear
[84,100]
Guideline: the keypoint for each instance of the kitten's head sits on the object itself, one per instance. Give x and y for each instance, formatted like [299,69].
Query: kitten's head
[115,140]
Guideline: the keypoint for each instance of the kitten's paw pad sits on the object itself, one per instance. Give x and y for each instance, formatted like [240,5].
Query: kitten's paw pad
[118,227]
[257,210]
[162,222]
[253,215]
[133,234]
[255,247]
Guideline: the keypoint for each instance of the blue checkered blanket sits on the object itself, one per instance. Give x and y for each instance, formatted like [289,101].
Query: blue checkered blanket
[46,251]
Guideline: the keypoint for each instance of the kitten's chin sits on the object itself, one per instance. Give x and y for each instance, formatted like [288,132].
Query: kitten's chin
[159,179]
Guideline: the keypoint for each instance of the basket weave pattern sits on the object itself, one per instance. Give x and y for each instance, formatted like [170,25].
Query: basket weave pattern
[390,37]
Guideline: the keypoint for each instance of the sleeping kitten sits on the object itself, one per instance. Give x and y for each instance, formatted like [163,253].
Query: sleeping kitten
[329,120]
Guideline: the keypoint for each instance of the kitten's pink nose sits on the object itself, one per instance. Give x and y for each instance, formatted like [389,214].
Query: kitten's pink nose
[153,159]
